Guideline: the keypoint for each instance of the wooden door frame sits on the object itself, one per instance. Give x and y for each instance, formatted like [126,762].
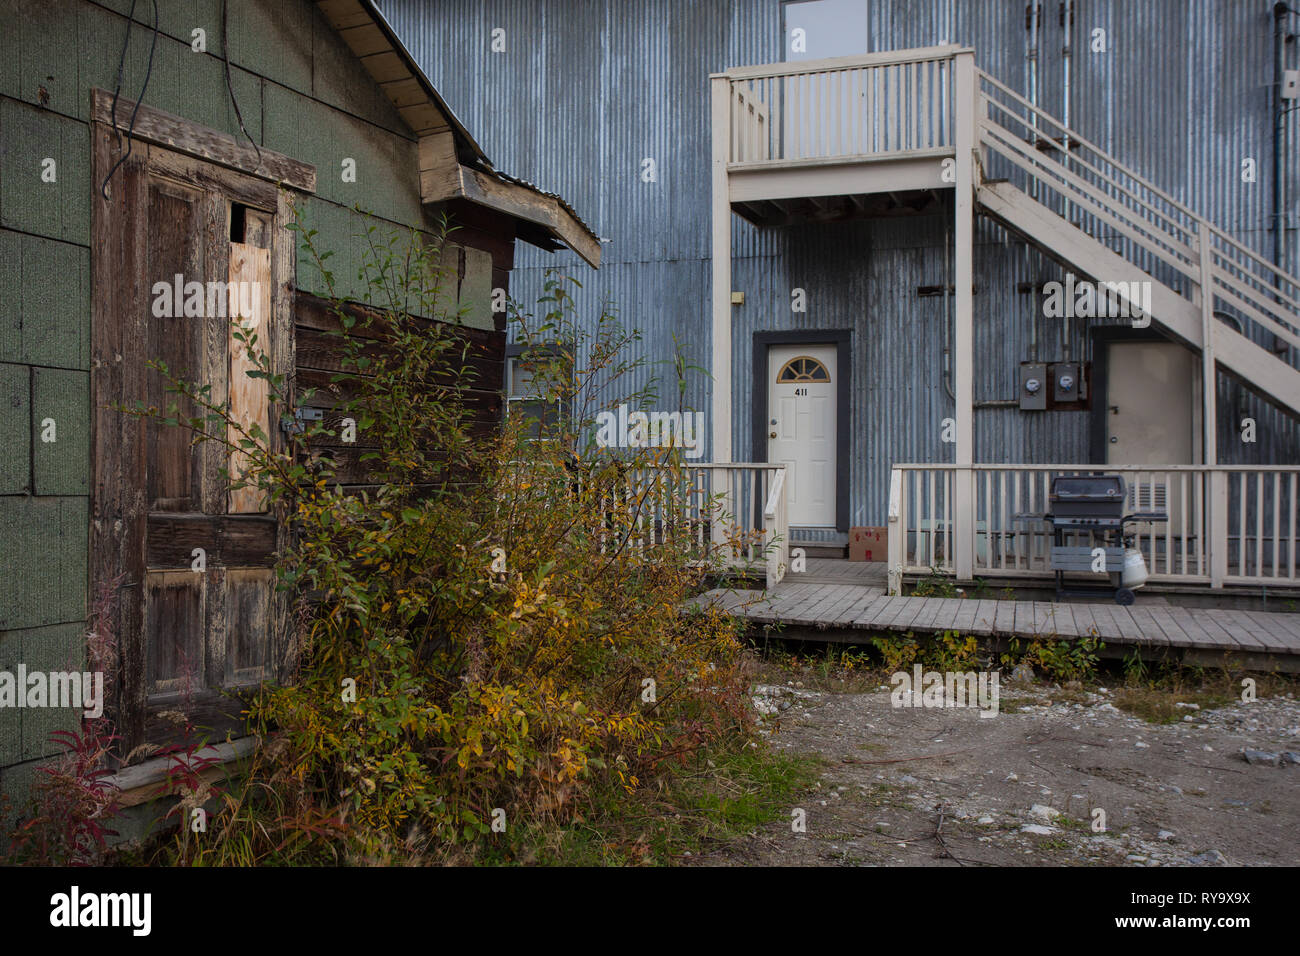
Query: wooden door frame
[119,337]
[842,339]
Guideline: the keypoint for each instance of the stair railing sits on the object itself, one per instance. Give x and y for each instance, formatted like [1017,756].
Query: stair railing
[1137,219]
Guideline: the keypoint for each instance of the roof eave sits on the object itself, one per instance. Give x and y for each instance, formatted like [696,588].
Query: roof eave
[534,210]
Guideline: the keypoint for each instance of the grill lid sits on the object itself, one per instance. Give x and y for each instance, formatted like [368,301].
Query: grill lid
[1088,488]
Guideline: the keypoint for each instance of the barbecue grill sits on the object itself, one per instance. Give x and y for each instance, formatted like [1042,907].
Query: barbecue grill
[1093,505]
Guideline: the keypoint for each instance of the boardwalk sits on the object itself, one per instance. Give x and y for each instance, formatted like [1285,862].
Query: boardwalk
[825,605]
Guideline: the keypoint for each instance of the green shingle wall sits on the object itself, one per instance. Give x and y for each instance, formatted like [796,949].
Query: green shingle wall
[182,82]
[61,209]
[342,232]
[69,47]
[335,80]
[37,51]
[176,18]
[300,91]
[11,293]
[43,551]
[60,411]
[11,720]
[324,137]
[16,783]
[476,289]
[55,299]
[203,97]
[334,226]
[15,430]
[290,44]
[45,288]
[25,734]
[274,39]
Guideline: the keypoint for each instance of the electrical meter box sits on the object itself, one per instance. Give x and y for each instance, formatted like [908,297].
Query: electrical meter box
[1066,381]
[1069,384]
[1034,386]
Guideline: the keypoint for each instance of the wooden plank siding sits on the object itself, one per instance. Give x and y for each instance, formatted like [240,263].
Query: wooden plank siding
[316,329]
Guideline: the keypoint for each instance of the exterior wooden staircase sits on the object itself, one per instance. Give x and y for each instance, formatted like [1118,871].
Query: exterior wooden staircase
[880,134]
[1083,208]
[899,133]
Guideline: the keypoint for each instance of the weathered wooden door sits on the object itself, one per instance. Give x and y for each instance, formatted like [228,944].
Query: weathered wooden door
[183,250]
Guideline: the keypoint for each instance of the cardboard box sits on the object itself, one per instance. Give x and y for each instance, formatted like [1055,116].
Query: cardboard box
[868,544]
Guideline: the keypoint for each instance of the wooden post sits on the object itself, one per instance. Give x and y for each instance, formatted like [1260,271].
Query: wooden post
[1209,379]
[1217,504]
[1217,500]
[721,360]
[965,98]
[776,529]
[897,553]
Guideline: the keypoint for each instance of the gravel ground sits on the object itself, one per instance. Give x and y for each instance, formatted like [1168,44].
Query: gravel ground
[944,787]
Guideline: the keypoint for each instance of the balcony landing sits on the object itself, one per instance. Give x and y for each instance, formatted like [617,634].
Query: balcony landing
[822,209]
[863,182]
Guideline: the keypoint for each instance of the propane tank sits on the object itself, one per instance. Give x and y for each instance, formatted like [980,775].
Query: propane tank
[1135,569]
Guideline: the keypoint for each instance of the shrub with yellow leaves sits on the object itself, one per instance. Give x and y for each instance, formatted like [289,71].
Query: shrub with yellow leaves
[495,629]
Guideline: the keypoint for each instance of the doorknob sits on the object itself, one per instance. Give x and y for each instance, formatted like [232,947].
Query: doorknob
[771,434]
[1114,440]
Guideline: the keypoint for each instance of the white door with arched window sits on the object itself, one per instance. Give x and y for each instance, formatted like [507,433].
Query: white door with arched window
[801,387]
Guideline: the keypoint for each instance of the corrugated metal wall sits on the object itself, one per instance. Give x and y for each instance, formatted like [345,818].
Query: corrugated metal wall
[588,89]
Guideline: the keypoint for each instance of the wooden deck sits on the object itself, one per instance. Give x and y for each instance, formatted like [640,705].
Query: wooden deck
[823,606]
[839,571]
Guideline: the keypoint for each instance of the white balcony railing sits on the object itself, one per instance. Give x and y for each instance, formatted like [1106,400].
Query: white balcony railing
[1079,181]
[1227,524]
[888,105]
[725,516]
[746,516]
[843,108]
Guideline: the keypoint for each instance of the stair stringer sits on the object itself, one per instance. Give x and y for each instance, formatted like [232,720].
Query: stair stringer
[1258,368]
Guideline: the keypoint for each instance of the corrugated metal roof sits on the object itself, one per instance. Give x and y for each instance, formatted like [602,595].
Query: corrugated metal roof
[564,203]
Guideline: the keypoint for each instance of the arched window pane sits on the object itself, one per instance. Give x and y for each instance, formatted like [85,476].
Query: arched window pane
[803,369]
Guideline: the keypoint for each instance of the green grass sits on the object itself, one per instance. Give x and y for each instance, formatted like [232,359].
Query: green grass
[834,669]
[717,799]
[1158,705]
[1072,823]
[1154,696]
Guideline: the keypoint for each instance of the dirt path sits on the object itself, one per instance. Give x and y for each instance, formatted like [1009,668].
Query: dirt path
[1173,795]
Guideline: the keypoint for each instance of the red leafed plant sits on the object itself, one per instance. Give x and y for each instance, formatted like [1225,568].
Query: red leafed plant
[73,802]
